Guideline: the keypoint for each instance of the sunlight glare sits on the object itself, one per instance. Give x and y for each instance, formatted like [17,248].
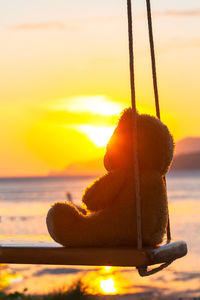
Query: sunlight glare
[107,268]
[94,104]
[109,280]
[7,278]
[99,135]
[108,286]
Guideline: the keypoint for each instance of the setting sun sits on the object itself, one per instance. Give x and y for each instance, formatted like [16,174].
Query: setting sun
[98,135]
[107,268]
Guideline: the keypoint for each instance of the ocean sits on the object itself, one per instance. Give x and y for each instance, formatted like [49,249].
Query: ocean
[24,203]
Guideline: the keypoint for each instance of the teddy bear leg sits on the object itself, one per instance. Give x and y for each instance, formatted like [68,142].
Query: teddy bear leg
[64,223]
[69,227]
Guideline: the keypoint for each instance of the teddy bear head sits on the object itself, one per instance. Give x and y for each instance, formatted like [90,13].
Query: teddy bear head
[155,144]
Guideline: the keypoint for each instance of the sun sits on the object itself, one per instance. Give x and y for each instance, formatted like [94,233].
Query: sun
[89,110]
[108,286]
[99,135]
[107,268]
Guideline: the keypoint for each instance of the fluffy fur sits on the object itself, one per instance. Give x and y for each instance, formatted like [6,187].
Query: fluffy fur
[110,201]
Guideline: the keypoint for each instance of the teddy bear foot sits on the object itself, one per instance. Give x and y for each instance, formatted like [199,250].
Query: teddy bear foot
[63,222]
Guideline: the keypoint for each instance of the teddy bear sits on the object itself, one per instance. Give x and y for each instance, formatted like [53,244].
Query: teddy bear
[110,200]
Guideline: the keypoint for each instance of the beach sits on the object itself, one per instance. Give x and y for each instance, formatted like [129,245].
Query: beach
[24,203]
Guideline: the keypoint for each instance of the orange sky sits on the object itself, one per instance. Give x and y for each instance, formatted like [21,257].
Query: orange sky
[64,77]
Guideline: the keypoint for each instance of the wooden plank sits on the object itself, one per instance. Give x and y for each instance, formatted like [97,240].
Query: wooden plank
[73,256]
[45,252]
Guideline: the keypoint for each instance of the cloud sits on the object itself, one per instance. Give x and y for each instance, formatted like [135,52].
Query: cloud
[99,19]
[75,24]
[178,44]
[97,104]
[59,271]
[63,117]
[173,45]
[71,25]
[50,25]
[179,13]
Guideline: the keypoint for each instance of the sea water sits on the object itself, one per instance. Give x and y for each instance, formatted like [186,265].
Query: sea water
[24,203]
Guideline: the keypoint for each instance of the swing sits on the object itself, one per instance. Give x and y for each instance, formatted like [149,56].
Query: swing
[42,252]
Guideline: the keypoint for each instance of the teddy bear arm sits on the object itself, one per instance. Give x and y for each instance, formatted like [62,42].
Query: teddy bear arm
[103,192]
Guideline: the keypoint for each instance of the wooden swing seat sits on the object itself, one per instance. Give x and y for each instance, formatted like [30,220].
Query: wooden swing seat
[44,252]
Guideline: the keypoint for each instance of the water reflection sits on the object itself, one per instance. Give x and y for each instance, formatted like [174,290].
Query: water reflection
[108,286]
[7,278]
[101,280]
[107,281]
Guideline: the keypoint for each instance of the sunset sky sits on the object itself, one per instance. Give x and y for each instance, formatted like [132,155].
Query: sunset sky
[64,76]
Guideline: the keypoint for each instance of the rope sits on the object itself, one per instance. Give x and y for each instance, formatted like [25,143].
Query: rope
[143,271]
[155,84]
[153,60]
[133,102]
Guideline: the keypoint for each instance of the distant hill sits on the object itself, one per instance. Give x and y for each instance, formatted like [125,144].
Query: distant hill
[188,145]
[187,157]
[84,168]
[187,154]
[187,161]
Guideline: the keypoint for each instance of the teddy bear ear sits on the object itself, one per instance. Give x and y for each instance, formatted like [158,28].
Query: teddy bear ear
[155,144]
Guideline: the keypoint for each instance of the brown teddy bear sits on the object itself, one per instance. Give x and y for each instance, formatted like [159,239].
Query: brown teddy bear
[110,200]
